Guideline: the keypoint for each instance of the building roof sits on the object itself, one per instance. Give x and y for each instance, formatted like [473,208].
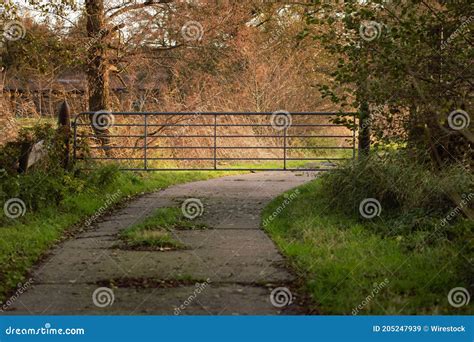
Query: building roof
[70,82]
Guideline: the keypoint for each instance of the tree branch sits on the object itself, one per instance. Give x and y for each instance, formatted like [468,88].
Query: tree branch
[135,6]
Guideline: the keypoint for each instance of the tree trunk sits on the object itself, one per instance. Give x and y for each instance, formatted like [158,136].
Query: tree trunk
[97,66]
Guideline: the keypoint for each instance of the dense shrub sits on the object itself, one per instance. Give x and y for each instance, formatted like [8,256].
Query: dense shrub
[47,183]
[53,144]
[413,195]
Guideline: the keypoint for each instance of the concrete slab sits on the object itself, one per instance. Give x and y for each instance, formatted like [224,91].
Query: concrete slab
[214,299]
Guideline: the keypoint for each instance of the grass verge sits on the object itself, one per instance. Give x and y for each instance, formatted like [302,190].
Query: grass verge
[350,268]
[154,232]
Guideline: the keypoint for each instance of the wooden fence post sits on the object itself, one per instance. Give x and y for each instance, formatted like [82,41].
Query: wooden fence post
[64,128]
[364,130]
[24,155]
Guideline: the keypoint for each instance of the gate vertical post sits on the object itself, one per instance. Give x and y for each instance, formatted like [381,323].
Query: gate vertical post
[74,143]
[145,142]
[354,137]
[215,141]
[284,147]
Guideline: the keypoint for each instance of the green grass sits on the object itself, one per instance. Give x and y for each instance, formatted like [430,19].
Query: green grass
[290,164]
[150,239]
[24,240]
[31,122]
[342,261]
[154,231]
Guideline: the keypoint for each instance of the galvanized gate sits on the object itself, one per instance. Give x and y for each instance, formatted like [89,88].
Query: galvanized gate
[270,141]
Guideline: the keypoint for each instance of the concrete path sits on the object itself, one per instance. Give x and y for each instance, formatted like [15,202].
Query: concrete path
[231,268]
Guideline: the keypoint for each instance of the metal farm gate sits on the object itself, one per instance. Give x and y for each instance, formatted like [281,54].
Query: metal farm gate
[270,141]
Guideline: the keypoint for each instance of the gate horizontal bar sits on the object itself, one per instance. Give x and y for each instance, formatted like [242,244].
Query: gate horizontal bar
[218,125]
[218,136]
[251,136]
[226,147]
[111,136]
[193,159]
[224,113]
[223,169]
